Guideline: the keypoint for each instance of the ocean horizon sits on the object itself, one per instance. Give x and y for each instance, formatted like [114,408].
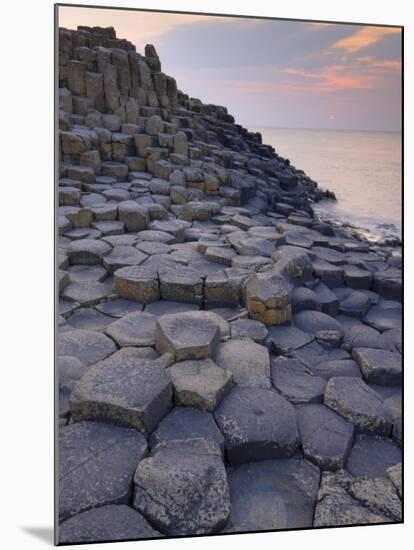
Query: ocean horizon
[362,167]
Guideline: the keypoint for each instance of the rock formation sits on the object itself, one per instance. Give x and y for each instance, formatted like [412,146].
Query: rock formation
[227,361]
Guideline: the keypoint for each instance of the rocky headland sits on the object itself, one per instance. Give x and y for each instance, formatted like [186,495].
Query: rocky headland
[227,362]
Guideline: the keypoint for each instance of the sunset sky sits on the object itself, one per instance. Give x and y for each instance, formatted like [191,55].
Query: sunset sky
[271,72]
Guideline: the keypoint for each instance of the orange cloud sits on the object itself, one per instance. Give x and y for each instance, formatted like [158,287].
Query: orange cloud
[364,37]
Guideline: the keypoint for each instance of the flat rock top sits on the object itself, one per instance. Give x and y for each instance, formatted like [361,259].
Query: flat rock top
[256,420]
[273,494]
[96,465]
[88,346]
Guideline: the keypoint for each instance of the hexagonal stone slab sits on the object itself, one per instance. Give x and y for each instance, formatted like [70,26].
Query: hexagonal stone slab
[199,383]
[89,318]
[133,329]
[88,346]
[86,294]
[257,424]
[326,437]
[379,366]
[295,381]
[371,456]
[247,328]
[248,362]
[182,488]
[70,369]
[119,307]
[341,367]
[358,403]
[362,336]
[113,522]
[96,465]
[315,321]
[137,283]
[123,390]
[181,284]
[87,251]
[122,256]
[186,423]
[274,494]
[383,319]
[189,335]
[285,339]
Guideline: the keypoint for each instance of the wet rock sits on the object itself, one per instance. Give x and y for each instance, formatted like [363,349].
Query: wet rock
[133,329]
[247,361]
[189,335]
[326,437]
[274,494]
[199,383]
[379,366]
[257,424]
[123,390]
[96,465]
[106,523]
[182,488]
[88,346]
[354,400]
[371,456]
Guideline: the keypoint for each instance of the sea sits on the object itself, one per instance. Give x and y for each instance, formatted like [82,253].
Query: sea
[363,169]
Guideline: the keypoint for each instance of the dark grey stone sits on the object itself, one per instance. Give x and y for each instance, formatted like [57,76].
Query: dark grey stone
[326,437]
[96,465]
[182,488]
[371,456]
[113,522]
[379,366]
[123,390]
[88,346]
[186,423]
[358,403]
[257,424]
[133,329]
[295,382]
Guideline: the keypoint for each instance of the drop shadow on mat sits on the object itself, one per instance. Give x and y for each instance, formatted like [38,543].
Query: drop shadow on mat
[44,534]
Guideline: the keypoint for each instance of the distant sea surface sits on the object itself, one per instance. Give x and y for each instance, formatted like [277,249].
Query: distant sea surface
[363,169]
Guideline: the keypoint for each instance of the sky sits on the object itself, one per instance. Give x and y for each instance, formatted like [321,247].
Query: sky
[271,73]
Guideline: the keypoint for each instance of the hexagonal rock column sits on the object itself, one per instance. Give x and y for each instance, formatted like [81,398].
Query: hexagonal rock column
[181,284]
[199,383]
[87,251]
[358,403]
[257,424]
[379,366]
[137,283]
[96,465]
[189,335]
[326,437]
[89,346]
[268,298]
[123,390]
[182,488]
